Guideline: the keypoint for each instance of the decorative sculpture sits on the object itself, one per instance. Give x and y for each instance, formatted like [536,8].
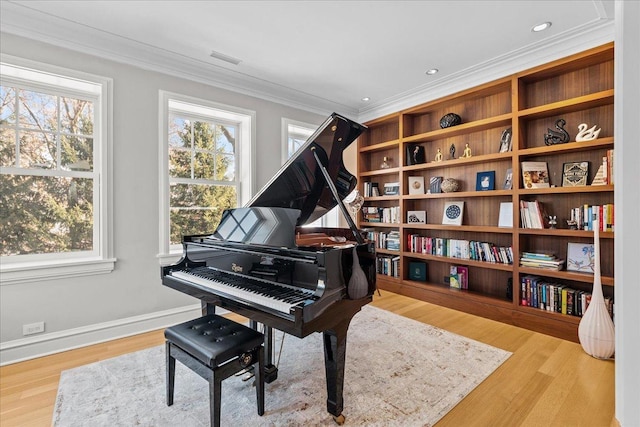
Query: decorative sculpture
[585,134]
[553,221]
[452,152]
[560,136]
[450,119]
[467,152]
[596,331]
[449,185]
[438,156]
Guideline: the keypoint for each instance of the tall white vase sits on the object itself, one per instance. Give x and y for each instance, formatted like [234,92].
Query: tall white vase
[596,331]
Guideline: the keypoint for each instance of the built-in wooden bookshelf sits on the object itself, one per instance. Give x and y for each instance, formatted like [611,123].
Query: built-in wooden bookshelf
[578,89]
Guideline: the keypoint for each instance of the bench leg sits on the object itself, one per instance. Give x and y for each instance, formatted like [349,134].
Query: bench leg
[171,374]
[215,391]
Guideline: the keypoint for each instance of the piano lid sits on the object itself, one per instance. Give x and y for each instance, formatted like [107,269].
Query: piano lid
[300,184]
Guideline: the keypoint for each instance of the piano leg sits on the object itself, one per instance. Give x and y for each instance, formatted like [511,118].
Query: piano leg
[335,346]
[270,370]
[207,308]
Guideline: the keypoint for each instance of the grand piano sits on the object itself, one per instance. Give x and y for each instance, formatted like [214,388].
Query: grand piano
[261,263]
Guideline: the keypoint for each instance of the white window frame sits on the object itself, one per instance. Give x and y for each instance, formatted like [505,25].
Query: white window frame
[44,77]
[297,129]
[208,110]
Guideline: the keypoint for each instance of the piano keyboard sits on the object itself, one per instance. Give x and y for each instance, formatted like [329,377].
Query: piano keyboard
[267,294]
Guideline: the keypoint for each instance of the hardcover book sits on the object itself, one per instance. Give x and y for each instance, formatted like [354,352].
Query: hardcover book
[452,214]
[417,217]
[418,271]
[575,174]
[434,184]
[535,175]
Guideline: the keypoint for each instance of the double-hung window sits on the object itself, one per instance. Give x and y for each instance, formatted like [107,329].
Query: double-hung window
[206,166]
[54,172]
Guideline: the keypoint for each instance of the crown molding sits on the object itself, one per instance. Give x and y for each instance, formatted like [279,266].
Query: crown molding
[20,20]
[592,34]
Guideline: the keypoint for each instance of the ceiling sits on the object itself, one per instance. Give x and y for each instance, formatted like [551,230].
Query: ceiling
[316,55]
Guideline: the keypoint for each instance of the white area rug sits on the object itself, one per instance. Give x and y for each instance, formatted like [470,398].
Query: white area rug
[398,372]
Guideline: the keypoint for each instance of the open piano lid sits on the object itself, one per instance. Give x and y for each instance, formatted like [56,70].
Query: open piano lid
[300,184]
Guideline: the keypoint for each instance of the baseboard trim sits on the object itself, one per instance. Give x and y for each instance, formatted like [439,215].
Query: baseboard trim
[43,345]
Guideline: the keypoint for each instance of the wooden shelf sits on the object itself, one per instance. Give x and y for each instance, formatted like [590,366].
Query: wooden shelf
[578,89]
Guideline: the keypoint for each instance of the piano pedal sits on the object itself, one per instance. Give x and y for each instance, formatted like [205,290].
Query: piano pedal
[244,371]
[248,376]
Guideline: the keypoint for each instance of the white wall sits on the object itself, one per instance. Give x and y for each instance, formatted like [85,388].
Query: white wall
[133,291]
[627,201]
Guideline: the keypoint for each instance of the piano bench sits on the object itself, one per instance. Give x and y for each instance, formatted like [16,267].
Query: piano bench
[215,348]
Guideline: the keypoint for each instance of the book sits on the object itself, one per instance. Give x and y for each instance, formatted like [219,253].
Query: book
[485,181]
[418,271]
[575,174]
[508,180]
[535,175]
[416,185]
[452,214]
[417,217]
[454,280]
[434,184]
[505,218]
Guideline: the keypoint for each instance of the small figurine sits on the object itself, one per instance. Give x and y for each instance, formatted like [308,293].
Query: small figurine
[560,136]
[467,151]
[572,224]
[585,134]
[452,152]
[553,221]
[438,156]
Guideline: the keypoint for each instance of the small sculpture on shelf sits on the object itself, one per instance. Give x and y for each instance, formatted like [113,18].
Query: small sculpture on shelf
[450,119]
[385,163]
[449,185]
[452,152]
[438,156]
[467,151]
[553,221]
[585,134]
[573,225]
[559,136]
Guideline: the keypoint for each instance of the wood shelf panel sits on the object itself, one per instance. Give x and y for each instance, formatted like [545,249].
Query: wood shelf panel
[469,262]
[570,105]
[567,275]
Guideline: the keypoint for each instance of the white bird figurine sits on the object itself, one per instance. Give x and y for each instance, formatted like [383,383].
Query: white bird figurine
[585,134]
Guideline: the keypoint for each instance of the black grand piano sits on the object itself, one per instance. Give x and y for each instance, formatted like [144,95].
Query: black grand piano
[261,263]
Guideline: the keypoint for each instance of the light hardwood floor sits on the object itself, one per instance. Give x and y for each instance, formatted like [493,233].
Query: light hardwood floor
[546,382]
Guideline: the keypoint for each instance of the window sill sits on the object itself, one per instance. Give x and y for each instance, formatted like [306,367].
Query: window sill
[17,273]
[169,259]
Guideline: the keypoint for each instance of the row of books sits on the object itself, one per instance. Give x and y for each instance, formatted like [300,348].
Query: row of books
[532,214]
[462,249]
[385,239]
[388,265]
[371,189]
[385,215]
[541,260]
[583,217]
[538,293]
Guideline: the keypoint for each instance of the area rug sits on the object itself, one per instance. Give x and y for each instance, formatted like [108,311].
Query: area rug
[398,372]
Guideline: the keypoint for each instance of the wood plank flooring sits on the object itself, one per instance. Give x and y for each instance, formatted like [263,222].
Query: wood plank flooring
[546,382]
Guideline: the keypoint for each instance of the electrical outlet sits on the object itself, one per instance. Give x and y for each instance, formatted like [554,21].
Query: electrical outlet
[33,328]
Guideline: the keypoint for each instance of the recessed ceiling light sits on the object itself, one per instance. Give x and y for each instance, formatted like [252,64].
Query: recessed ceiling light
[541,27]
[431,71]
[366,99]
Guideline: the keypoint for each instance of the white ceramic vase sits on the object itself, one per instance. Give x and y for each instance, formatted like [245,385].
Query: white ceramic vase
[596,331]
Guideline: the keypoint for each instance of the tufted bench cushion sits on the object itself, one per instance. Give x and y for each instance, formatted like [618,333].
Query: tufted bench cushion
[213,339]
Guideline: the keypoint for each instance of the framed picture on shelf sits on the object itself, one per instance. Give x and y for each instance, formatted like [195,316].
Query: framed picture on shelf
[505,141]
[415,154]
[391,188]
[417,217]
[508,180]
[416,185]
[575,174]
[452,214]
[485,181]
[535,175]
[580,257]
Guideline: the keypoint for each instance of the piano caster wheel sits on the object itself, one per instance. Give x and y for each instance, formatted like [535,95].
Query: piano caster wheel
[339,419]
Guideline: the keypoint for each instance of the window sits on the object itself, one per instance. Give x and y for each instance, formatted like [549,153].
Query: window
[206,166]
[54,177]
[295,135]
